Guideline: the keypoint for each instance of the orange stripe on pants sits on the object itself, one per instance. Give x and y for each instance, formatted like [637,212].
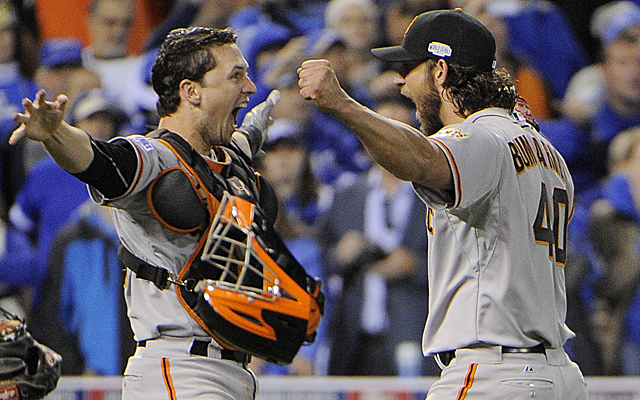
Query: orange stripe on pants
[168,382]
[468,382]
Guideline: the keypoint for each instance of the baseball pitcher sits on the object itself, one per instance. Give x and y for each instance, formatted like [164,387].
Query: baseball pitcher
[499,198]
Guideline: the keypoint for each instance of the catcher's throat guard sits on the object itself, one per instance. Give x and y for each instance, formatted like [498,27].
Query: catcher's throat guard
[262,301]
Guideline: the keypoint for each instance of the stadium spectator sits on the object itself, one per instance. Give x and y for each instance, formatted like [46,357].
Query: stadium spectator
[374,245]
[357,23]
[584,145]
[337,156]
[615,232]
[48,199]
[16,83]
[68,19]
[58,59]
[539,31]
[582,270]
[302,201]
[302,17]
[586,91]
[122,73]
[60,71]
[529,82]
[81,312]
[288,169]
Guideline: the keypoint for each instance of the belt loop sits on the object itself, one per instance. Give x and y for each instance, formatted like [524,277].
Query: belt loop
[200,348]
[557,356]
[239,356]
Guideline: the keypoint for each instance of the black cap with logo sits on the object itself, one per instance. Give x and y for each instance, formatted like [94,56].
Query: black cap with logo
[452,35]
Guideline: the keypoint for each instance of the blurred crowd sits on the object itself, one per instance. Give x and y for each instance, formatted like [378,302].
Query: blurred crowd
[346,220]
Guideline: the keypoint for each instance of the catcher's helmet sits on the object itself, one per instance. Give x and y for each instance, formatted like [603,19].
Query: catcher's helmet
[262,302]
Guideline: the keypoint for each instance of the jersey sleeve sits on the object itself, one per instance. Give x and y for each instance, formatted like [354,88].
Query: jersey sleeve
[150,158]
[475,157]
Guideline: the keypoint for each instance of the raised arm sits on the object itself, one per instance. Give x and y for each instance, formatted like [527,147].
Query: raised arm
[401,149]
[42,121]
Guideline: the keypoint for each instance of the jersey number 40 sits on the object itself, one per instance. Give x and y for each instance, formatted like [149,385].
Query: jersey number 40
[555,236]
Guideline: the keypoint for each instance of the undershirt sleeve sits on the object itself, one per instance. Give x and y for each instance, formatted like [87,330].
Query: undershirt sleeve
[112,169]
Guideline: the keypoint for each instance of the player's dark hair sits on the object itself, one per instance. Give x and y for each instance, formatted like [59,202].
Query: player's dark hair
[472,90]
[184,54]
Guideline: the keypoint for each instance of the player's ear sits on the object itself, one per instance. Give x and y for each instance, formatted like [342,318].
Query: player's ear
[440,71]
[190,91]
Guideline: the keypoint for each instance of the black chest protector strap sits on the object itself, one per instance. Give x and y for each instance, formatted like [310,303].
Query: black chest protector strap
[214,182]
[222,175]
[160,277]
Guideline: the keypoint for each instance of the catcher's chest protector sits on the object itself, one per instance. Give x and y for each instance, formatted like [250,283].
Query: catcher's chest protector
[241,284]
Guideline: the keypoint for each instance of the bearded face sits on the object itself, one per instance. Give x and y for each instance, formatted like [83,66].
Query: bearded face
[428,103]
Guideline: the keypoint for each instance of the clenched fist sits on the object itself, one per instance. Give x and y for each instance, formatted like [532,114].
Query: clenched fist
[318,82]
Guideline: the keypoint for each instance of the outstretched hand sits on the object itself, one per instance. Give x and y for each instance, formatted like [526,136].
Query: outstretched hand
[40,119]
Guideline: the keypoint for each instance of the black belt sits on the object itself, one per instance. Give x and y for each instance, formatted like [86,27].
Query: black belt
[201,348]
[446,356]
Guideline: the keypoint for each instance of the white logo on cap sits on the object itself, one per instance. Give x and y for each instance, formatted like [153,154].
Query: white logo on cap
[439,49]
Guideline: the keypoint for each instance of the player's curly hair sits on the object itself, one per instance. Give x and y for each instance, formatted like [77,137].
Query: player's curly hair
[184,54]
[472,90]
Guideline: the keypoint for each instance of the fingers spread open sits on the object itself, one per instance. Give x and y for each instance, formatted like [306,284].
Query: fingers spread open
[17,134]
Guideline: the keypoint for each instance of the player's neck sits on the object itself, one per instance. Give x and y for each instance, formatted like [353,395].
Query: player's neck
[183,125]
[448,114]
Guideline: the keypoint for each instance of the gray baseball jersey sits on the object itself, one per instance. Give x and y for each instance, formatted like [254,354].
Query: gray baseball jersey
[497,241]
[152,312]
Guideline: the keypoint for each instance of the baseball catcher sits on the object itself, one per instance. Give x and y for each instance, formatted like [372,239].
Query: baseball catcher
[28,369]
[189,208]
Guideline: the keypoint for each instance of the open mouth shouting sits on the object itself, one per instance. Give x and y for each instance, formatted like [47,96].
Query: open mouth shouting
[236,111]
